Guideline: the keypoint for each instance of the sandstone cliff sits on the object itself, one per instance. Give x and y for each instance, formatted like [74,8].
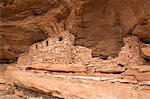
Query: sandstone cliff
[68,49]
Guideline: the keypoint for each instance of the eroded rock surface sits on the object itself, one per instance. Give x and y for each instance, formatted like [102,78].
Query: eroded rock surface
[58,61]
[52,43]
[98,25]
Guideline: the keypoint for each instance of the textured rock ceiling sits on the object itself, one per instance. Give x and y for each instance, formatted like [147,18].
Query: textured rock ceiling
[97,24]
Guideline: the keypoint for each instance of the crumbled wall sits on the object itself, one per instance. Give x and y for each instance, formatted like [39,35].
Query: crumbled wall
[60,49]
[53,50]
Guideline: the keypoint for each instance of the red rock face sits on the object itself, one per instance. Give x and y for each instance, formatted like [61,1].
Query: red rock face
[98,25]
[75,49]
[19,27]
[105,22]
[99,30]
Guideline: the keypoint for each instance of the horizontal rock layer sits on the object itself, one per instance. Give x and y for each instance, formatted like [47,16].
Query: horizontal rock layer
[78,86]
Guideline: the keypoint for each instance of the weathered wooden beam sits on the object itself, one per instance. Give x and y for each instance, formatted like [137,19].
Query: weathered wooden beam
[59,67]
[108,69]
[76,68]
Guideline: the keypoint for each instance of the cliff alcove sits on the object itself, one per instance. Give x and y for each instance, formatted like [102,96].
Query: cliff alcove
[100,29]
[74,49]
